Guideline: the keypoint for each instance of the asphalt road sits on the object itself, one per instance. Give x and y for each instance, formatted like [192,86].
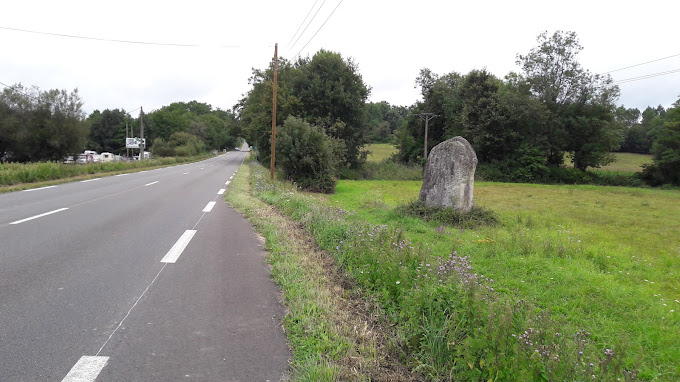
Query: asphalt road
[137,278]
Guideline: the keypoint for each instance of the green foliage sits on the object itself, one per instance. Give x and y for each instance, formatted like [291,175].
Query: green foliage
[383,121]
[307,156]
[40,125]
[666,149]
[107,130]
[326,91]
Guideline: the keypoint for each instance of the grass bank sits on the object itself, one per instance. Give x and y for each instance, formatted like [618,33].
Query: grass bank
[575,283]
[20,176]
[334,331]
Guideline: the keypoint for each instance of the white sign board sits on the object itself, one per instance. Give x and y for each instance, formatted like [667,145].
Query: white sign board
[134,143]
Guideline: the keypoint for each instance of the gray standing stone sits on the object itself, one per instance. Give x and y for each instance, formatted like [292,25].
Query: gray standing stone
[449,177]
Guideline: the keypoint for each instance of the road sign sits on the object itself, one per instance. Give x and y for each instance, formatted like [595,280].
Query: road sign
[134,143]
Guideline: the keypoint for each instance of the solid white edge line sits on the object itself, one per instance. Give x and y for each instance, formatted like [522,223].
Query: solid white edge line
[221,191]
[178,248]
[148,184]
[86,369]
[41,188]
[209,206]
[89,180]
[121,174]
[38,216]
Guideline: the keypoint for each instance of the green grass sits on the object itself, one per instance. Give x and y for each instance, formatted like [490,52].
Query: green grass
[19,176]
[380,151]
[623,162]
[330,340]
[600,258]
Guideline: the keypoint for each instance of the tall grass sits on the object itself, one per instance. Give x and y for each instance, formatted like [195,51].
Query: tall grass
[21,173]
[535,298]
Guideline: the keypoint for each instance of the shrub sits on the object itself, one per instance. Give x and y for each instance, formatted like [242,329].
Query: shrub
[307,156]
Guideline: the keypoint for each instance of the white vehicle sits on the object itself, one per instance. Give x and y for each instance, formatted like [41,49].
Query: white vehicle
[107,157]
[85,159]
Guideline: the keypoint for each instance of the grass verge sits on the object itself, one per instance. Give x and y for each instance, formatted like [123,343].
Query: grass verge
[335,334]
[22,176]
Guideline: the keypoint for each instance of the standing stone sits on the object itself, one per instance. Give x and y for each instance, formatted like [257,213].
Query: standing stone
[449,177]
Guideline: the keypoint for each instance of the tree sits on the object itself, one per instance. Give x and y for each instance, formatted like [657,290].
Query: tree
[107,130]
[333,96]
[666,150]
[307,156]
[41,125]
[557,79]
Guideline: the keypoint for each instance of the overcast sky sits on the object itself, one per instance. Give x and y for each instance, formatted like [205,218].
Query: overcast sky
[389,40]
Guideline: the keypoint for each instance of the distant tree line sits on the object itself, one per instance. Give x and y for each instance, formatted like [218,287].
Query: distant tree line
[48,125]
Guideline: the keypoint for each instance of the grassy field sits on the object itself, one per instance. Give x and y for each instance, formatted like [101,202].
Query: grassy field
[380,151]
[624,162]
[602,259]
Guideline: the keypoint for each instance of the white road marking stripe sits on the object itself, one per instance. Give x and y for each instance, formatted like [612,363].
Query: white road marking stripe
[144,171]
[86,369]
[41,188]
[178,248]
[209,207]
[148,184]
[221,191]
[89,180]
[227,183]
[202,168]
[231,177]
[121,174]
[184,173]
[38,216]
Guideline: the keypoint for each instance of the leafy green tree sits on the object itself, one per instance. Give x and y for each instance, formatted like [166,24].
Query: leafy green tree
[41,125]
[666,150]
[557,79]
[107,130]
[307,156]
[333,95]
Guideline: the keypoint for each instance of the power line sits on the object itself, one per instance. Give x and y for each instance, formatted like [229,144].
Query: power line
[19,91]
[645,77]
[644,63]
[317,31]
[303,21]
[112,40]
[308,24]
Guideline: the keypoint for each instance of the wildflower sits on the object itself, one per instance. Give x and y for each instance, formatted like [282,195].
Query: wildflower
[398,282]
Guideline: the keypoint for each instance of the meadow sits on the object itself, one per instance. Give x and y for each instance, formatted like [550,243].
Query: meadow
[605,259]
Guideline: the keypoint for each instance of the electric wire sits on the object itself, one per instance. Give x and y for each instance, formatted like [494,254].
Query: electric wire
[317,31]
[308,24]
[303,21]
[644,63]
[646,76]
[113,40]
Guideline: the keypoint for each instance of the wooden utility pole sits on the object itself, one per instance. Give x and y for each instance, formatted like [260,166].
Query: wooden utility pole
[426,117]
[273,153]
[141,124]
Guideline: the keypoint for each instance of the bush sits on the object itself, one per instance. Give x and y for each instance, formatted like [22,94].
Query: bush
[307,156]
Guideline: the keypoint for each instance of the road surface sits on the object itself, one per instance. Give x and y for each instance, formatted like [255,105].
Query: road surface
[147,276]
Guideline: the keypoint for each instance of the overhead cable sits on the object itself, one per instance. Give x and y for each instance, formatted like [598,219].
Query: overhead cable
[644,63]
[303,21]
[647,76]
[113,40]
[308,24]
[317,31]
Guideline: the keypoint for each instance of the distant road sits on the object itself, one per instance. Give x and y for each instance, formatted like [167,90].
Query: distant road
[146,276]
